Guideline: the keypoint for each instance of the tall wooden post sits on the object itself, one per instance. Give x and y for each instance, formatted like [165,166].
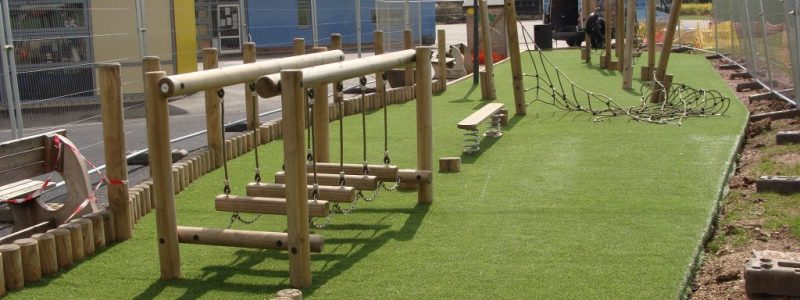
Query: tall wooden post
[606,63]
[161,170]
[424,121]
[292,99]
[114,145]
[647,71]
[321,119]
[516,60]
[150,64]
[250,96]
[213,114]
[336,44]
[620,38]
[299,46]
[442,58]
[663,61]
[487,85]
[627,71]
[408,43]
[586,53]
[379,82]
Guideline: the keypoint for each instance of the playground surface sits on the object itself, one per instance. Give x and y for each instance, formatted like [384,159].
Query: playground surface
[560,206]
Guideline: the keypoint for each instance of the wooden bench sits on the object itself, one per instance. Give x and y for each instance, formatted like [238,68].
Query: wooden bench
[22,160]
[471,123]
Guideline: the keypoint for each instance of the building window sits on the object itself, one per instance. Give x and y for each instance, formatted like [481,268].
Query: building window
[304,12]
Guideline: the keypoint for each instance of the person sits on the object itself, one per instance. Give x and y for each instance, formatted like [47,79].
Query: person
[596,27]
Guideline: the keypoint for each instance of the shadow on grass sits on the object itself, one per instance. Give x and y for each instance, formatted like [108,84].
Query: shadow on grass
[487,143]
[370,238]
[466,97]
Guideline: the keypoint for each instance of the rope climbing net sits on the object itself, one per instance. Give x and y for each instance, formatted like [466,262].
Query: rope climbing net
[680,101]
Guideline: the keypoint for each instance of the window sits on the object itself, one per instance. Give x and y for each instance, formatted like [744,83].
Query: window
[52,16]
[304,12]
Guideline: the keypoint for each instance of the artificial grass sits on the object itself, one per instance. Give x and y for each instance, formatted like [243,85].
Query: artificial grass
[559,207]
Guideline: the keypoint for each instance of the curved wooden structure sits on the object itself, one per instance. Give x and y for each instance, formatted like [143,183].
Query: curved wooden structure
[38,155]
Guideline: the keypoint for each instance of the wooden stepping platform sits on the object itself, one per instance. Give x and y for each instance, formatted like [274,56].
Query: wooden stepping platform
[263,205]
[242,238]
[382,172]
[338,194]
[359,182]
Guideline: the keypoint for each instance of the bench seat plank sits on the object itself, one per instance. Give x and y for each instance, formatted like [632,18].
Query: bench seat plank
[21,188]
[472,121]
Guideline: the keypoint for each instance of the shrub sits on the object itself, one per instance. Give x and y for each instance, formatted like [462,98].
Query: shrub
[696,9]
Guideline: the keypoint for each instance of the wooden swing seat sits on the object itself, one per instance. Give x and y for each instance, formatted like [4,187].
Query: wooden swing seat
[263,205]
[359,182]
[242,238]
[386,173]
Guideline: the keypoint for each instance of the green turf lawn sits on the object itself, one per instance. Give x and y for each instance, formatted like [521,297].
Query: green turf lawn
[559,207]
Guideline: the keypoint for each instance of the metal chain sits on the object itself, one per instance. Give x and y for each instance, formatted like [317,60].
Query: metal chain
[386,159]
[363,81]
[221,95]
[309,122]
[257,124]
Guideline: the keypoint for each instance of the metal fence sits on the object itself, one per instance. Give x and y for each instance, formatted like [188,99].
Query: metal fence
[763,36]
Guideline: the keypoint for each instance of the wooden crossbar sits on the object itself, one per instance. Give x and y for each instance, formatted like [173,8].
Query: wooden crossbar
[339,194]
[263,205]
[472,121]
[359,182]
[242,238]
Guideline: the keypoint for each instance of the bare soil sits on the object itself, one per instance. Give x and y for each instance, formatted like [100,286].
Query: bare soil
[720,276]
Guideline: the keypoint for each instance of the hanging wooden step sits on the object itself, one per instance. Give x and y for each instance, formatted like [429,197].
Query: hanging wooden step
[339,194]
[242,238]
[263,205]
[386,173]
[359,182]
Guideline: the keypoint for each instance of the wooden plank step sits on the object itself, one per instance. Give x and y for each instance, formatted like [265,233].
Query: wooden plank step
[339,194]
[359,182]
[382,172]
[242,238]
[263,205]
[472,121]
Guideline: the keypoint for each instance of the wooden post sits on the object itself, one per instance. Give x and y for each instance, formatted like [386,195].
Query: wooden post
[666,49]
[487,87]
[321,119]
[516,61]
[295,163]
[31,264]
[213,116]
[12,266]
[48,259]
[627,71]
[647,71]
[88,235]
[606,64]
[114,141]
[161,171]
[76,239]
[408,42]
[299,46]
[336,44]
[620,40]
[63,247]
[150,64]
[424,122]
[379,82]
[108,225]
[2,279]
[586,52]
[250,97]
[442,57]
[98,229]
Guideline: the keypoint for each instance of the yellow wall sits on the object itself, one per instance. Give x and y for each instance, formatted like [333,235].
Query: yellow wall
[185,36]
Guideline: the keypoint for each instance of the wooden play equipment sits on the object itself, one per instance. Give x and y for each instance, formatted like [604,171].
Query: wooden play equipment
[627,59]
[473,121]
[158,88]
[488,91]
[516,62]
[647,71]
[666,50]
[23,159]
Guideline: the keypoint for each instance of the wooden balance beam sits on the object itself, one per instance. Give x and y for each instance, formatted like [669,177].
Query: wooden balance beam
[381,172]
[242,238]
[263,205]
[338,194]
[359,182]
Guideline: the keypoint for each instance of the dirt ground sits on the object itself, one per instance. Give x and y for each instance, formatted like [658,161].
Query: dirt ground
[721,274]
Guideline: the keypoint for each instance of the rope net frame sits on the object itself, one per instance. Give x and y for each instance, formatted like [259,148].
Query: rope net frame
[680,101]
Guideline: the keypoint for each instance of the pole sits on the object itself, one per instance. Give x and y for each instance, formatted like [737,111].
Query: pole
[766,46]
[627,71]
[321,118]
[424,121]
[114,140]
[651,41]
[250,97]
[487,88]
[516,60]
[794,39]
[142,29]
[314,29]
[213,117]
[475,67]
[358,27]
[663,60]
[9,91]
[619,39]
[11,63]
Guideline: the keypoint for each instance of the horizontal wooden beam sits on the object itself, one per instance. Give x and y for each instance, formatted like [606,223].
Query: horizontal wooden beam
[339,194]
[415,176]
[187,83]
[382,172]
[263,205]
[359,182]
[269,85]
[242,238]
